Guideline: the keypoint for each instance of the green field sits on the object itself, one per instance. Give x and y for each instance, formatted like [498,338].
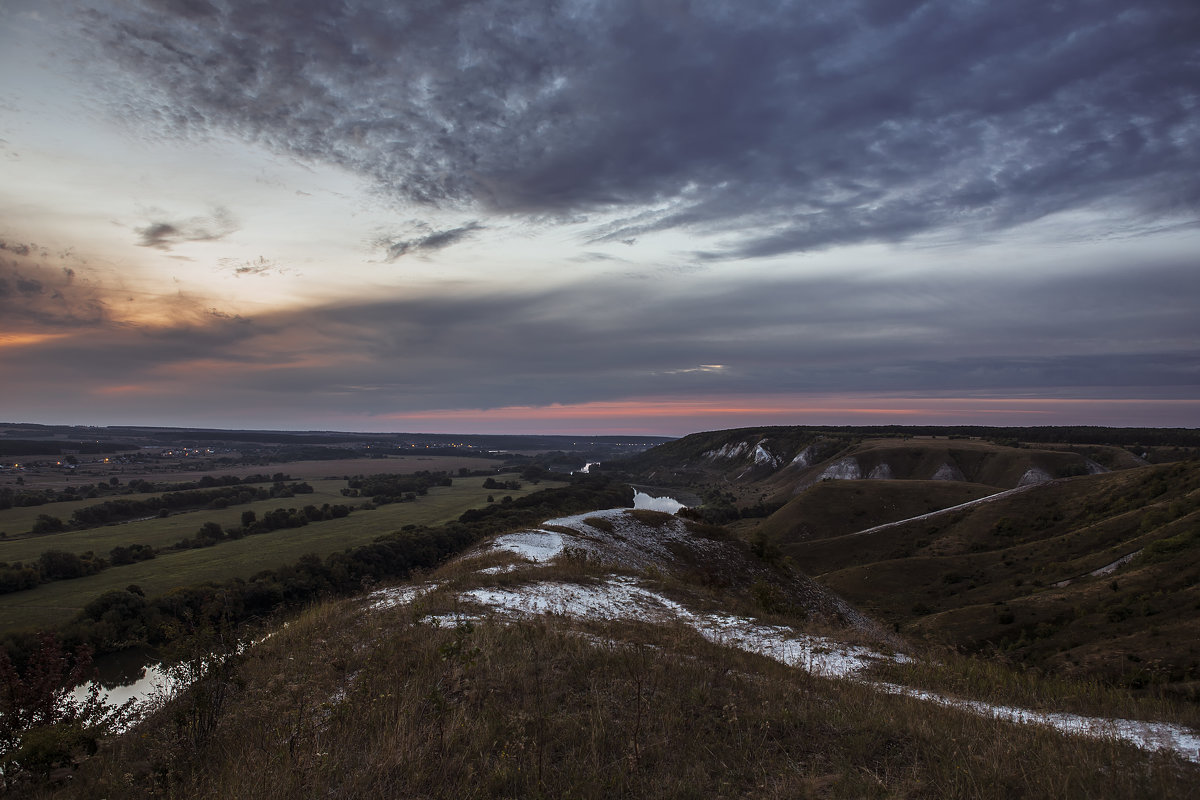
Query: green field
[157,532]
[18,521]
[54,603]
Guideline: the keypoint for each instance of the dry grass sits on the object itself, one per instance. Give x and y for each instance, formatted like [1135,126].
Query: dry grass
[989,680]
[349,704]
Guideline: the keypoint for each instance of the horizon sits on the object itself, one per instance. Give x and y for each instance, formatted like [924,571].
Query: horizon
[619,219]
[563,434]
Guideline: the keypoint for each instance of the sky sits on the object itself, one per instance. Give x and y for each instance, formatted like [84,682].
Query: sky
[599,216]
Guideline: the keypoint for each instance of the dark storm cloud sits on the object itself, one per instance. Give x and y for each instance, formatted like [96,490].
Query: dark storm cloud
[395,247]
[163,235]
[789,126]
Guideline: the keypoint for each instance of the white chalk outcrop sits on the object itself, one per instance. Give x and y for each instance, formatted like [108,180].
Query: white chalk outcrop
[845,470]
[728,451]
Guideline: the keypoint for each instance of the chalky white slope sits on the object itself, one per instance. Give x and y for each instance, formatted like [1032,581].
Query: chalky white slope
[616,537]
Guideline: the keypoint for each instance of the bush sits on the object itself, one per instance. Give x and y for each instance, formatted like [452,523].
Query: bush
[48,524]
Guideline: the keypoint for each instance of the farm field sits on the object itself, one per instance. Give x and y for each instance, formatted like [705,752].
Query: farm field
[16,522]
[187,470]
[156,532]
[54,603]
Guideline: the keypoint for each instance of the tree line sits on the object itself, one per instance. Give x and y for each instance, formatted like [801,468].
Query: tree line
[27,498]
[57,565]
[124,509]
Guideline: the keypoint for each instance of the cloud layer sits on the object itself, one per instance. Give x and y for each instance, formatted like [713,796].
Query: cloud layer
[374,210]
[791,126]
[610,340]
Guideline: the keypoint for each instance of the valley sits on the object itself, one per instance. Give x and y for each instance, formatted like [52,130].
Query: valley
[1073,559]
[929,609]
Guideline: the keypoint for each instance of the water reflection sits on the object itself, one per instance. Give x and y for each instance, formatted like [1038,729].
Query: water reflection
[150,682]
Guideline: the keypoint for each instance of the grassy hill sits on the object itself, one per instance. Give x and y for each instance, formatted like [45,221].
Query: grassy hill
[1096,575]
[832,508]
[1012,577]
[624,665]
[777,463]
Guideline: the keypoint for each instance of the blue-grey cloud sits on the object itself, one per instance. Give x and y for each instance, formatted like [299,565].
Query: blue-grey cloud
[163,235]
[791,126]
[395,247]
[258,267]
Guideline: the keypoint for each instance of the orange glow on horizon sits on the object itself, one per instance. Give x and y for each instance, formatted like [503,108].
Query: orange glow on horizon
[668,408]
[132,388]
[26,339]
[656,414]
[220,365]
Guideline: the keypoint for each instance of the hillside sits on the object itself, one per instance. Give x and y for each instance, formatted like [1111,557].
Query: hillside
[777,463]
[622,653]
[1010,574]
[832,508]
[1096,575]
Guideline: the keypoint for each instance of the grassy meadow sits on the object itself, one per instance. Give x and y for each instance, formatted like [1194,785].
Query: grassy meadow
[53,603]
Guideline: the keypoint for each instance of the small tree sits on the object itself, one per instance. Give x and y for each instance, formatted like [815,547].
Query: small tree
[42,726]
[48,524]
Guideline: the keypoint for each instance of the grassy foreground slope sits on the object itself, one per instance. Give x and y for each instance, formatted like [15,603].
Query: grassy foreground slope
[1096,575]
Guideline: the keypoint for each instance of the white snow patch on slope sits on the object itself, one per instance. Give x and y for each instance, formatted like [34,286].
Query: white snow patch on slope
[1093,468]
[1146,735]
[1108,569]
[1034,475]
[804,458]
[614,597]
[622,598]
[393,597]
[845,470]
[536,546]
[948,472]
[881,472]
